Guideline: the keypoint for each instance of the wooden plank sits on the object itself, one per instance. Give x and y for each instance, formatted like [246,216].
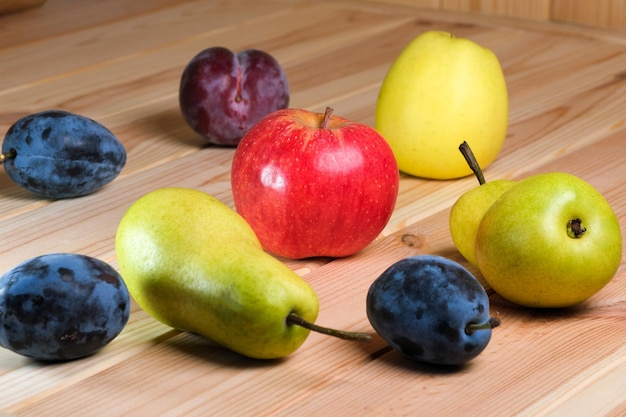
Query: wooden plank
[158,93]
[189,366]
[567,113]
[599,13]
[60,17]
[75,50]
[534,9]
[431,4]
[12,6]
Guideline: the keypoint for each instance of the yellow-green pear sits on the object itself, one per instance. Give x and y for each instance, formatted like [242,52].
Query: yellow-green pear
[439,90]
[194,264]
[468,211]
[552,240]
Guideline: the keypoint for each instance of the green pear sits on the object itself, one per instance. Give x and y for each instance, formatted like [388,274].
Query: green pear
[467,212]
[195,264]
[441,88]
[552,240]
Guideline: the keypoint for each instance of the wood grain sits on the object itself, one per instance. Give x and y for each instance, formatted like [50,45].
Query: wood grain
[120,63]
[12,6]
[601,13]
[608,14]
[534,9]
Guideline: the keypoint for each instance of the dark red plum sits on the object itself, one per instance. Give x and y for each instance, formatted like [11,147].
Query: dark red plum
[431,309]
[62,306]
[222,93]
[58,154]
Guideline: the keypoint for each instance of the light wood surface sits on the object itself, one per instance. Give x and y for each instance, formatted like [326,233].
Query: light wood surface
[120,63]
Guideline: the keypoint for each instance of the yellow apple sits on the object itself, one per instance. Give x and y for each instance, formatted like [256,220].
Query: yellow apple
[442,90]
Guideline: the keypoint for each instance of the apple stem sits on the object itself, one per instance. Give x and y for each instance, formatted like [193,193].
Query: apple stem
[7,155]
[327,114]
[293,318]
[472,162]
[492,323]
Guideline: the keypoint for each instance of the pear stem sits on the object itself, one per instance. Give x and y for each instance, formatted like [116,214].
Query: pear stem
[293,318]
[327,114]
[10,154]
[492,323]
[472,162]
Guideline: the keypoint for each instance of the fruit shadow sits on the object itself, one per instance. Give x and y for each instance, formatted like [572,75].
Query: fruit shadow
[9,188]
[384,353]
[170,125]
[203,349]
[501,306]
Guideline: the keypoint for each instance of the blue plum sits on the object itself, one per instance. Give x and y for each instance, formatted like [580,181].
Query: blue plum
[431,309]
[58,154]
[61,306]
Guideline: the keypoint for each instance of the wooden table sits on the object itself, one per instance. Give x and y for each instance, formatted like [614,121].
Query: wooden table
[120,62]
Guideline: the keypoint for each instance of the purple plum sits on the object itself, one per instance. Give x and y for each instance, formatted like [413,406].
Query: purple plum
[223,94]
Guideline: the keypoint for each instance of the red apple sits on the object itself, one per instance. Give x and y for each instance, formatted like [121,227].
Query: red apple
[222,94]
[312,184]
